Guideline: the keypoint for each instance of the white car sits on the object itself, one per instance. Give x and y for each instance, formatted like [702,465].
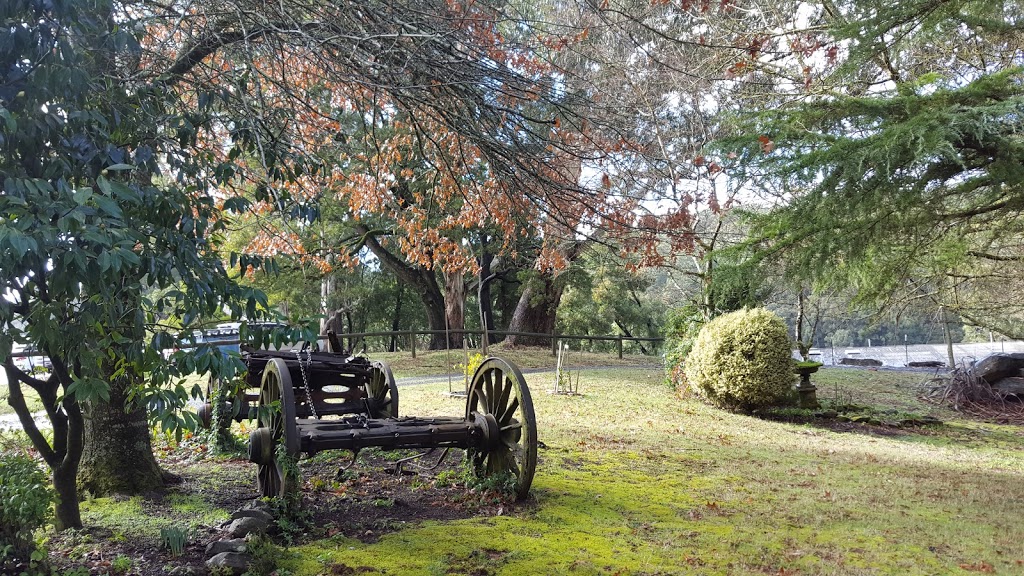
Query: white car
[29,364]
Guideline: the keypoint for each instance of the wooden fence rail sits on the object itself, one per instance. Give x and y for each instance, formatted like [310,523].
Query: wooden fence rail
[555,338]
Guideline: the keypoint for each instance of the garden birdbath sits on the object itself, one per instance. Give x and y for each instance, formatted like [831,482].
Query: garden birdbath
[806,390]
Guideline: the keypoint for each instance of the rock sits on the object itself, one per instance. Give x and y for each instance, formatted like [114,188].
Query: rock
[219,546]
[860,362]
[253,513]
[233,561]
[864,419]
[242,527]
[258,504]
[919,421]
[998,366]
[1010,386]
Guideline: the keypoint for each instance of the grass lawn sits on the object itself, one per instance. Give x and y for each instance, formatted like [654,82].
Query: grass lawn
[31,399]
[635,479]
[434,362]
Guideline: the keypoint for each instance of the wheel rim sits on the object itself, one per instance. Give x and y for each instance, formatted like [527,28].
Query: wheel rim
[272,479]
[499,390]
[383,391]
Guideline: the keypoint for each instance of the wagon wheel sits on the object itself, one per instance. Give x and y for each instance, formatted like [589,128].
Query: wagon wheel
[499,403]
[206,411]
[383,391]
[275,476]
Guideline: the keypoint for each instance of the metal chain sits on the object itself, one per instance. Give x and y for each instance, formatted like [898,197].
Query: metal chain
[305,378]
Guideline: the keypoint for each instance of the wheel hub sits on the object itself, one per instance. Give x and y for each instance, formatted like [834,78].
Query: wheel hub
[487,424]
[261,446]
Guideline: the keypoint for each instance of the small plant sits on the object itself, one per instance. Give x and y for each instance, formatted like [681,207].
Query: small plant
[121,565]
[263,555]
[501,483]
[472,363]
[681,330]
[448,478]
[291,517]
[384,503]
[26,500]
[175,538]
[742,360]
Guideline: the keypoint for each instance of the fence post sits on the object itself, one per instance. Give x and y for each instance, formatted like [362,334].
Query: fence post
[554,343]
[620,347]
[412,342]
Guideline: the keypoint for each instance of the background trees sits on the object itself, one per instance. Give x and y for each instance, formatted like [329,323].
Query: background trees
[896,168]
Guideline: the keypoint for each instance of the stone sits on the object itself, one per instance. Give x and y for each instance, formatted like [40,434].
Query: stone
[242,527]
[219,546]
[998,366]
[860,362]
[1010,386]
[258,504]
[864,419]
[233,561]
[253,513]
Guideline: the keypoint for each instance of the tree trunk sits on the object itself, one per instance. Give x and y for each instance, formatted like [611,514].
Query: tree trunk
[396,320]
[948,337]
[455,307]
[327,284]
[66,510]
[118,455]
[536,311]
[484,299]
[421,279]
[62,451]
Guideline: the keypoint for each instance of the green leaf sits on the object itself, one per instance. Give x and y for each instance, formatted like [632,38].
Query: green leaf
[82,195]
[118,167]
[109,206]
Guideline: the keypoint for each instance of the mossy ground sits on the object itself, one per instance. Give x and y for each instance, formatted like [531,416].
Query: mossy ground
[637,479]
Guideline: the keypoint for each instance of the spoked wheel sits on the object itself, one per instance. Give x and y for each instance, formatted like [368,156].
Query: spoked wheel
[275,476]
[499,404]
[382,391]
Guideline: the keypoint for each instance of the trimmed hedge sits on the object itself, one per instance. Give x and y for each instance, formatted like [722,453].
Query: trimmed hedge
[742,360]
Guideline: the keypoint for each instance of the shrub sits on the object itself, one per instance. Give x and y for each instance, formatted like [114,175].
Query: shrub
[26,501]
[742,360]
[681,329]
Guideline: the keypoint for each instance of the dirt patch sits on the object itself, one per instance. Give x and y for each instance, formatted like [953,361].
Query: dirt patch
[364,502]
[370,499]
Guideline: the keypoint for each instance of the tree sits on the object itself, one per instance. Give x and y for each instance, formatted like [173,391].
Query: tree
[119,122]
[898,162]
[607,296]
[95,211]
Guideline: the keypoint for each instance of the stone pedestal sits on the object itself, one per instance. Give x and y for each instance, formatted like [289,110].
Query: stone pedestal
[806,390]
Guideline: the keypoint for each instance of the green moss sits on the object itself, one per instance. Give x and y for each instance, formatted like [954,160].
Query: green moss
[636,481]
